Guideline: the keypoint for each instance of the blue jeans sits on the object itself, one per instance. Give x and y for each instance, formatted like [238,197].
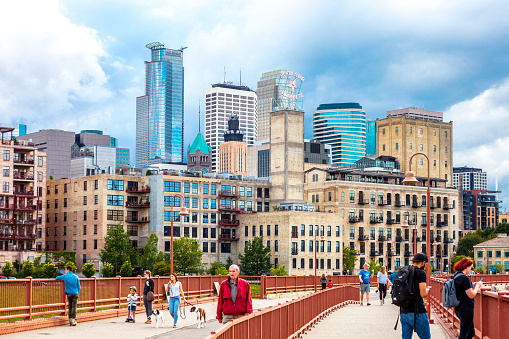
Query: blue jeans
[174,309]
[421,325]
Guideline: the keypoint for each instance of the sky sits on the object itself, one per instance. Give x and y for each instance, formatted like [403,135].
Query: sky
[77,65]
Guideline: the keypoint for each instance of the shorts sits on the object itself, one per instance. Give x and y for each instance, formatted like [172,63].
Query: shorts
[131,308]
[365,288]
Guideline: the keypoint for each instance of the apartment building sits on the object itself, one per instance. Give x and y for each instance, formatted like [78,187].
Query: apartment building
[493,252]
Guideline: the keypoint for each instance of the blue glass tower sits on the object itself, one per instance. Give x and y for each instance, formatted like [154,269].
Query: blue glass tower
[160,112]
[371,137]
[343,126]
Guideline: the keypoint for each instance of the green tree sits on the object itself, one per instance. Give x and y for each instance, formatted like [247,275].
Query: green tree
[467,243]
[28,269]
[218,268]
[280,270]
[161,268]
[72,264]
[349,259]
[49,270]
[186,255]
[458,258]
[8,269]
[117,248]
[108,270]
[88,269]
[374,266]
[256,258]
[503,228]
[229,262]
[150,253]
[126,270]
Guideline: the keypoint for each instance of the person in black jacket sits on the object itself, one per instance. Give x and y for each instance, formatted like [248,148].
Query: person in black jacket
[148,286]
[465,292]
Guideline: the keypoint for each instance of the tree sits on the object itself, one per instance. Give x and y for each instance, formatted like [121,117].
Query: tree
[467,243]
[126,270]
[150,254]
[8,269]
[88,270]
[117,248]
[108,270]
[28,269]
[502,228]
[256,258]
[279,270]
[229,262]
[458,258]
[349,259]
[161,268]
[186,255]
[374,266]
[49,270]
[73,265]
[218,268]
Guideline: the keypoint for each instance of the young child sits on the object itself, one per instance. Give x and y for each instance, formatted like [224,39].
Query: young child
[131,304]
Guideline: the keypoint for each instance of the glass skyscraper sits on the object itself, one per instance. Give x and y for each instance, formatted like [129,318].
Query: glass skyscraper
[343,126]
[371,137]
[160,112]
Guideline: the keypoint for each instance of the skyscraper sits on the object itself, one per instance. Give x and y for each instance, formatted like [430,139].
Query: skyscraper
[471,178]
[222,101]
[160,112]
[233,151]
[343,126]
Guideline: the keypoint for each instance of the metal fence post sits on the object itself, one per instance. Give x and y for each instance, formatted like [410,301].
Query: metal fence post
[94,291]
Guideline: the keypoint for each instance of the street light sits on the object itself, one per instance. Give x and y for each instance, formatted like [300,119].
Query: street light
[183,213]
[411,180]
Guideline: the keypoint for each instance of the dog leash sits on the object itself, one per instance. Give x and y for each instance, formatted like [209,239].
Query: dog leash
[182,309]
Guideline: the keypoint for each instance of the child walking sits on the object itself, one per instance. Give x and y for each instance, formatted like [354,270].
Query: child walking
[131,304]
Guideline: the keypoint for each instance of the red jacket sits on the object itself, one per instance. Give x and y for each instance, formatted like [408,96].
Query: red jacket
[243,303]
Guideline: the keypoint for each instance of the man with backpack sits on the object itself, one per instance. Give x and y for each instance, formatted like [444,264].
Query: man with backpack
[408,292]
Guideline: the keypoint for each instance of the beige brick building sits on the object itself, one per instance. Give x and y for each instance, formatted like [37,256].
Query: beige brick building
[21,198]
[401,137]
[370,207]
[496,251]
[233,157]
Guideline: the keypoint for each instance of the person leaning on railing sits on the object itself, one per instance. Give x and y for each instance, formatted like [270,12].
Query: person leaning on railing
[465,292]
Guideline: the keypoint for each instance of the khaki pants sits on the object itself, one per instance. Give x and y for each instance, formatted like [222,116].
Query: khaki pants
[227,317]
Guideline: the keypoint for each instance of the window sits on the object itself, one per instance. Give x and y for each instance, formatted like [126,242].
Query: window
[268,230]
[205,247]
[96,199]
[213,189]
[195,188]
[445,149]
[420,132]
[115,215]
[446,134]
[115,200]
[171,186]
[95,229]
[7,155]
[205,188]
[397,146]
[337,246]
[84,200]
[95,214]
[116,185]
[205,203]
[84,244]
[329,231]
[352,196]
[383,131]
[84,215]
[383,147]
[276,246]
[396,130]
[85,184]
[410,146]
[186,187]
[194,203]
[96,184]
[249,192]
[410,129]
[95,244]
[6,171]
[276,231]
[337,231]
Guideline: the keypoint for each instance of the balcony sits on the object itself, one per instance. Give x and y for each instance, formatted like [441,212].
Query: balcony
[442,223]
[295,234]
[228,222]
[374,254]
[23,177]
[6,221]
[399,238]
[25,222]
[391,254]
[26,207]
[354,219]
[24,193]
[23,162]
[447,207]
[391,221]
[383,202]
[376,220]
[382,238]
[228,208]
[18,236]
[138,190]
[408,254]
[432,206]
[363,201]
[226,193]
[137,204]
[138,220]
[227,237]
[362,237]
[294,251]
[415,205]
[6,207]
[398,204]
[448,241]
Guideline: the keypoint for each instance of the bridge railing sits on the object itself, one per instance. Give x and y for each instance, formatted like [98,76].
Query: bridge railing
[491,312]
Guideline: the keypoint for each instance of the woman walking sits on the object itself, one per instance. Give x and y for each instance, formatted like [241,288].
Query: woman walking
[174,291]
[323,280]
[148,286]
[382,284]
[465,292]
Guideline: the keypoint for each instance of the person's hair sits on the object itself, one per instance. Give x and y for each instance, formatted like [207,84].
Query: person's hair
[323,276]
[365,264]
[175,275]
[148,272]
[235,266]
[69,268]
[462,264]
[382,269]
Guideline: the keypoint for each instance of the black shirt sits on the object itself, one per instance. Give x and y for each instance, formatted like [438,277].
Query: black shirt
[148,286]
[419,277]
[462,284]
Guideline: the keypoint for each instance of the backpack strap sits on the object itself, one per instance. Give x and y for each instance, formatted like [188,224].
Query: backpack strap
[397,320]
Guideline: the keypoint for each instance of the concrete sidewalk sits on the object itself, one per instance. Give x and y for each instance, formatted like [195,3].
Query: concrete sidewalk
[355,321]
[118,328]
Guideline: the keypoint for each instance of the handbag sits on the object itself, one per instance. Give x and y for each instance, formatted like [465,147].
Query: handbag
[150,296]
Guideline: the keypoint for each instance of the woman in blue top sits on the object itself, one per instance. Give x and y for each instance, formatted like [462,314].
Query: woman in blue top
[382,284]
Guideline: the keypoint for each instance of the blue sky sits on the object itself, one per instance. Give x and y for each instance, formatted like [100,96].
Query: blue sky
[80,64]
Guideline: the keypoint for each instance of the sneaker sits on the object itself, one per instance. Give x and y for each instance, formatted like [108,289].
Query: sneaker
[174,325]
[148,322]
[368,304]
[127,320]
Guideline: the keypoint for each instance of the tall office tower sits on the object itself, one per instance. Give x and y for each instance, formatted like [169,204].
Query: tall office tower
[371,137]
[401,137]
[222,101]
[233,151]
[416,113]
[160,112]
[472,178]
[343,126]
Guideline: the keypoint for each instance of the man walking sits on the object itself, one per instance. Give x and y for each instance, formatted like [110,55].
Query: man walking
[364,275]
[72,290]
[234,300]
[415,316]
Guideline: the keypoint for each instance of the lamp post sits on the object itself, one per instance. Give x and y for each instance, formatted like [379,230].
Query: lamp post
[316,249]
[411,180]
[183,213]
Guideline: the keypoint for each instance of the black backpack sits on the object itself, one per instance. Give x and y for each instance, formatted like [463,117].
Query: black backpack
[403,291]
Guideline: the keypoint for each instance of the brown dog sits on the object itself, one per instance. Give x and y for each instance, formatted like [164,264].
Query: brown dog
[200,316]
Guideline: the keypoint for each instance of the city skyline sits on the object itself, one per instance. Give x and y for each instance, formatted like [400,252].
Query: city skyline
[90,66]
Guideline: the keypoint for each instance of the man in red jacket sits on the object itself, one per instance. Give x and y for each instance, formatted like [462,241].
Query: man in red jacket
[234,298]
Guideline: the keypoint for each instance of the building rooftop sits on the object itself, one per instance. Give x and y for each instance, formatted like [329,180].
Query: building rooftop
[501,241]
[343,105]
[199,144]
[232,86]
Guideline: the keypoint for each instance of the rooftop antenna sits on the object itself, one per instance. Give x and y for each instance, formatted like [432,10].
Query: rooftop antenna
[182,48]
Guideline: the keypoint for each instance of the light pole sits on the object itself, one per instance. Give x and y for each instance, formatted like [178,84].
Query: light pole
[316,262]
[411,180]
[183,213]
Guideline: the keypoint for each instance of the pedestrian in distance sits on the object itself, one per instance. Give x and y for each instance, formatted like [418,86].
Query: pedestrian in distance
[382,284]
[414,316]
[234,299]
[174,291]
[132,297]
[330,284]
[323,281]
[72,290]
[148,286]
[364,276]
[465,293]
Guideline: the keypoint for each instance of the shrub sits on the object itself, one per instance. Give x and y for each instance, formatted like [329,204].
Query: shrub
[126,270]
[49,270]
[161,268]
[88,270]
[73,265]
[8,269]
[108,270]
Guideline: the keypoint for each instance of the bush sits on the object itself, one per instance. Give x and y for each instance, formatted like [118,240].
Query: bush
[8,269]
[126,270]
[88,270]
[73,265]
[49,270]
[161,268]
[218,268]
[28,269]
[108,270]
